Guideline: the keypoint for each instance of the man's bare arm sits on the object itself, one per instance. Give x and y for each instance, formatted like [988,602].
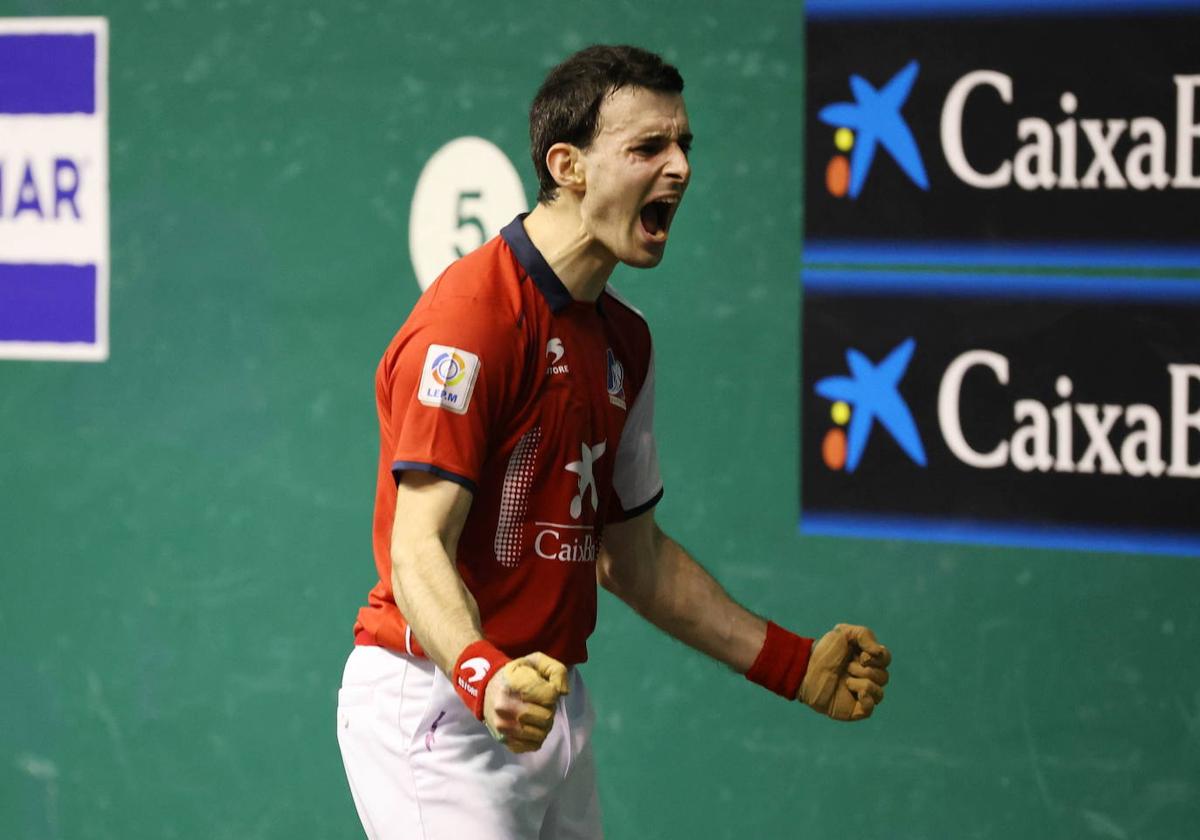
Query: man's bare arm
[519,698]
[430,514]
[656,576]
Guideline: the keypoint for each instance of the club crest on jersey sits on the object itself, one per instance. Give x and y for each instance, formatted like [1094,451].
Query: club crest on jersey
[616,380]
[555,352]
[448,378]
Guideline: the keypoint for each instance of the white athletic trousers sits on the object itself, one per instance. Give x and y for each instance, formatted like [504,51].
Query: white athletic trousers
[421,767]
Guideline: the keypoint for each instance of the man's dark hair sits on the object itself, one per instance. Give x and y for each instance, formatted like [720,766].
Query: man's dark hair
[566,108]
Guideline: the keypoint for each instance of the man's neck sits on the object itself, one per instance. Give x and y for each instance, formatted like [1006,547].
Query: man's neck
[581,263]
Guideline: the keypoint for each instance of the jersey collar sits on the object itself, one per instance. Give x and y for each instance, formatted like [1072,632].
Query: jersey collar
[535,265]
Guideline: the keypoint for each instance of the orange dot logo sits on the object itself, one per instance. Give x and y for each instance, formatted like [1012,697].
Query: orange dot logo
[837,172]
[833,449]
[833,446]
[837,176]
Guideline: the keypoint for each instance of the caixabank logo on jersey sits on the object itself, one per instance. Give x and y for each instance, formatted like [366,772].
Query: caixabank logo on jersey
[1079,126]
[1002,409]
[53,189]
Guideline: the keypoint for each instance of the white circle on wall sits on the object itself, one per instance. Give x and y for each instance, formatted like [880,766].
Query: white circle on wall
[467,191]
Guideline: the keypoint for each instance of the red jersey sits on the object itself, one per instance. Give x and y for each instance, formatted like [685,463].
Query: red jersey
[541,406]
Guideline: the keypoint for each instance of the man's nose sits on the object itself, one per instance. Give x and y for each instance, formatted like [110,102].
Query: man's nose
[678,168]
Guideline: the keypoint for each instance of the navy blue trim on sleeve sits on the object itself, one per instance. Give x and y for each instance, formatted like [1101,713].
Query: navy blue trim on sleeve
[400,466]
[645,506]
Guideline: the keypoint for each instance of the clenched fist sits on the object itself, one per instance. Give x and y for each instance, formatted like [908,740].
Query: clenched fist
[518,705]
[846,673]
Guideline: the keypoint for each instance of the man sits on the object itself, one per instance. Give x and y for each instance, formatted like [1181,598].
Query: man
[517,468]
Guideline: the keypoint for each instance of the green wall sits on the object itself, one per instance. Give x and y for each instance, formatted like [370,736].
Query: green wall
[185,529]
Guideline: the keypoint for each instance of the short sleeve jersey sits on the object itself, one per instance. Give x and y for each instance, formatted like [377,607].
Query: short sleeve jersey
[542,407]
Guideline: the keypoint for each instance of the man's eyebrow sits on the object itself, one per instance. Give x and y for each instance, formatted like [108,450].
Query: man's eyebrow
[685,139]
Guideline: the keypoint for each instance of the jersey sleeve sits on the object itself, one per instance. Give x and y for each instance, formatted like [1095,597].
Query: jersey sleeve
[450,386]
[637,484]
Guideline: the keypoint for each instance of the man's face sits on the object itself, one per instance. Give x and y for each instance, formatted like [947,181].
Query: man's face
[637,170]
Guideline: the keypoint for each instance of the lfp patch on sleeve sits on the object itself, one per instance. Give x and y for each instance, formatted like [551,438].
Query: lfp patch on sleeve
[448,378]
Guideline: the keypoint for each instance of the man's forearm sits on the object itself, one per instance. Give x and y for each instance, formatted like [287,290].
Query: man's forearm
[435,602]
[677,595]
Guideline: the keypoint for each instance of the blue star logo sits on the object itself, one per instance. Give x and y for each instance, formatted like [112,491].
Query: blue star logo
[873,391]
[875,117]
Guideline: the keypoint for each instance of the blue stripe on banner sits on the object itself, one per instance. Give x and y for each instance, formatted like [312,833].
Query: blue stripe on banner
[50,303]
[47,74]
[816,281]
[869,526]
[1058,255]
[851,9]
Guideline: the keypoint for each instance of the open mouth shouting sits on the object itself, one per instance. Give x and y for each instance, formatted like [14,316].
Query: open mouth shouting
[657,214]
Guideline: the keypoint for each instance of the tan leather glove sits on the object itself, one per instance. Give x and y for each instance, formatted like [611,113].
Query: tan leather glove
[846,673]
[518,705]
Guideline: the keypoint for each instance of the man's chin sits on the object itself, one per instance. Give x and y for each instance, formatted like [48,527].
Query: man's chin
[645,257]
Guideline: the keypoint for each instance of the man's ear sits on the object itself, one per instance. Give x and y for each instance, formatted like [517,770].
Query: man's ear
[565,164]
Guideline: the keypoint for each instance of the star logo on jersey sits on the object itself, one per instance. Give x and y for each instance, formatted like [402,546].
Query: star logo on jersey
[587,479]
[875,116]
[870,394]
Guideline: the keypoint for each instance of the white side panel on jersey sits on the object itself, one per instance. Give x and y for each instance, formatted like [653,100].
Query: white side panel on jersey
[621,298]
[636,479]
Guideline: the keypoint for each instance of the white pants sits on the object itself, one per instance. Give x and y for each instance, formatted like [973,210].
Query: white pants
[421,767]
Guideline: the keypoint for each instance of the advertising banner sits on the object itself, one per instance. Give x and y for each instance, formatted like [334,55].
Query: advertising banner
[997,408]
[54,244]
[1052,133]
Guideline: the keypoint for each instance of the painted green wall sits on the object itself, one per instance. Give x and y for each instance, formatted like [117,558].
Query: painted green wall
[185,529]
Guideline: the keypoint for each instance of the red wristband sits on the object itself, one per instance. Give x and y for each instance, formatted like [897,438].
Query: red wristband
[782,662]
[477,664]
